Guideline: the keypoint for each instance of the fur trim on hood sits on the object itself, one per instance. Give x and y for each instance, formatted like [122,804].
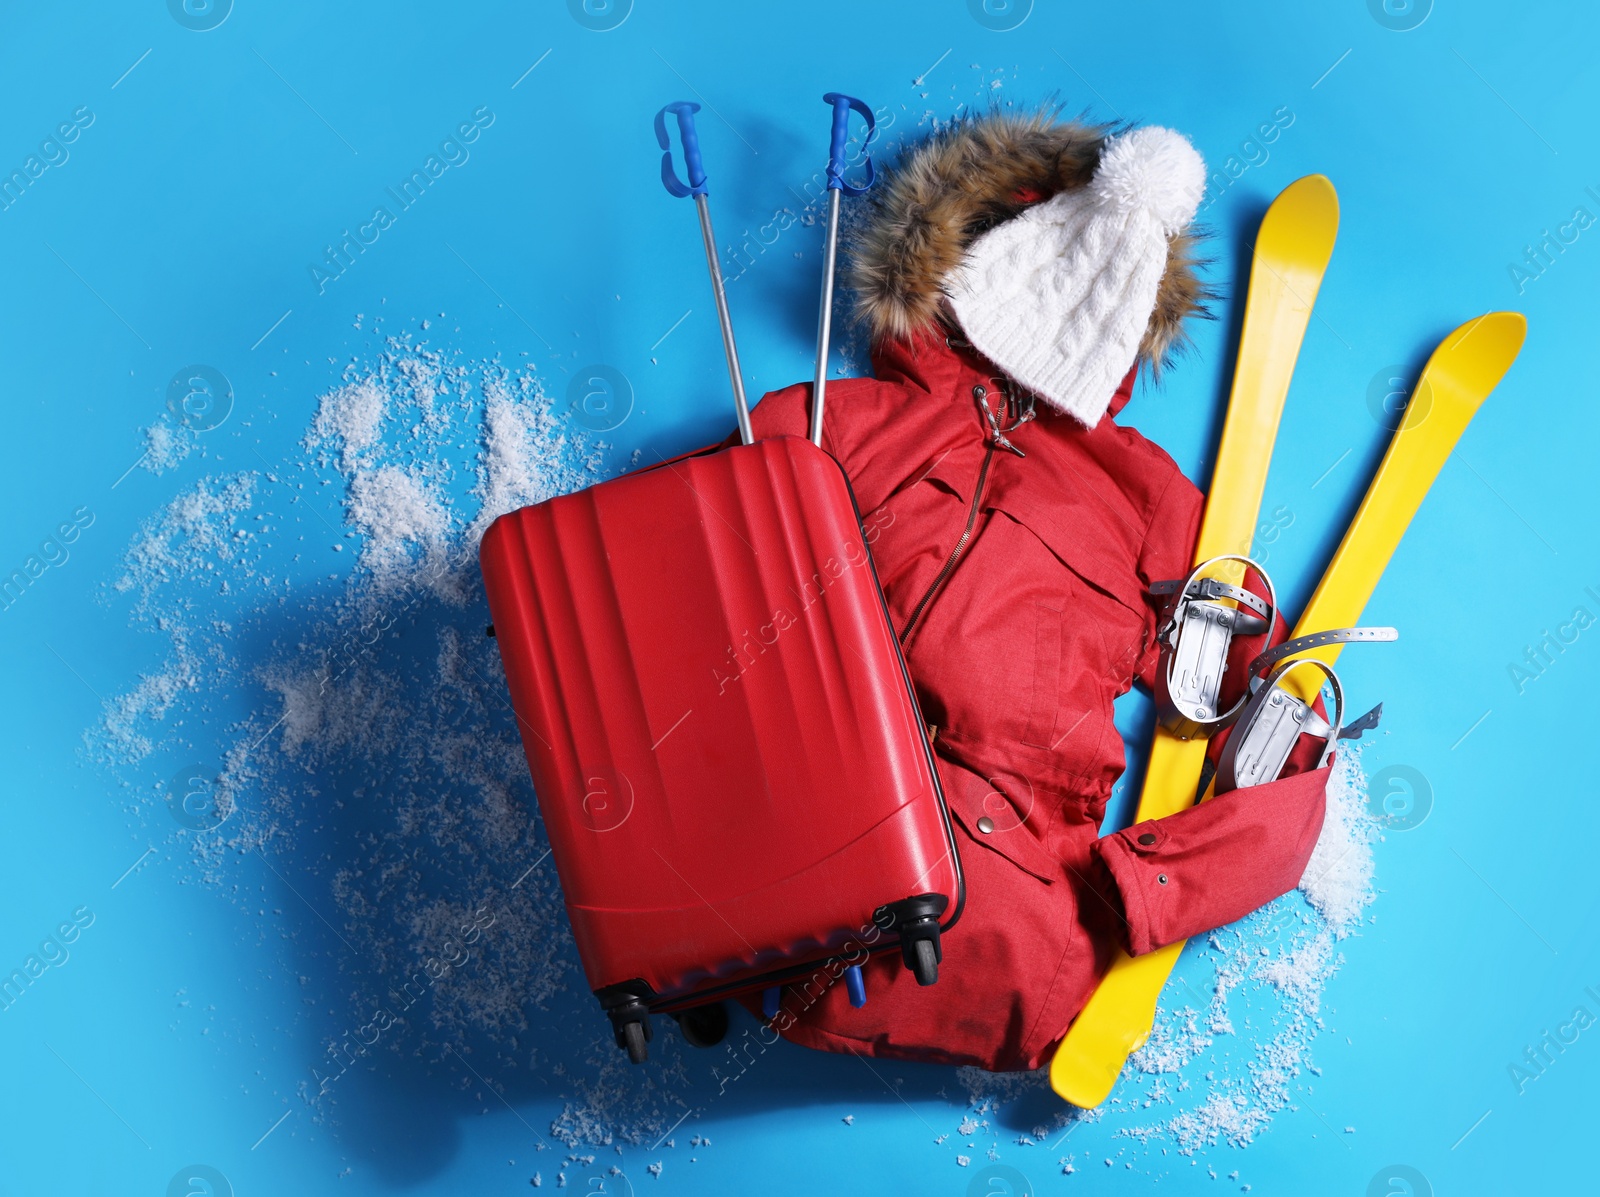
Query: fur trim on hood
[966,179]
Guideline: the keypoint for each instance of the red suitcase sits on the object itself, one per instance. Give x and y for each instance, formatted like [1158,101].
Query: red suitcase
[733,773]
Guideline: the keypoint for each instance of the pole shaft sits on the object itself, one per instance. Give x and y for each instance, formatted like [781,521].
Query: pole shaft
[830,253]
[741,406]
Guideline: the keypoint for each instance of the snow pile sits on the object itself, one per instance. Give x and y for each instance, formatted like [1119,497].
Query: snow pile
[1234,1034]
[401,522]
[201,532]
[148,702]
[1270,968]
[200,537]
[370,787]
[165,446]
[351,418]
[1338,880]
[1205,1082]
[510,477]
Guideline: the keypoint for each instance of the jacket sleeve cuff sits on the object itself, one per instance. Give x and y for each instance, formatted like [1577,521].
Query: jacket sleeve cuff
[1206,866]
[1126,870]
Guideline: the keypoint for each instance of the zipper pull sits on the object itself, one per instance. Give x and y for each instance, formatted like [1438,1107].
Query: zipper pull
[981,395]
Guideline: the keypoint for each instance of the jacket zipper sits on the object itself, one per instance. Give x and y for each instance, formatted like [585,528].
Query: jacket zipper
[966,535]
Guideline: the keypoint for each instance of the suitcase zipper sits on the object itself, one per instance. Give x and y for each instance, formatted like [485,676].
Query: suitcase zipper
[981,395]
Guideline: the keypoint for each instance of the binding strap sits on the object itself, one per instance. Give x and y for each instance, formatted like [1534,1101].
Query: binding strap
[1288,648]
[1214,588]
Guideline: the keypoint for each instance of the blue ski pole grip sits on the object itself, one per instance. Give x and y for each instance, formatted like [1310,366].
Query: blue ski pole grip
[843,106]
[684,110]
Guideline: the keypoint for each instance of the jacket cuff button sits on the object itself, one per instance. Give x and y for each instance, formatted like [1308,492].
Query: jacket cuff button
[1161,878]
[986,824]
[1148,838]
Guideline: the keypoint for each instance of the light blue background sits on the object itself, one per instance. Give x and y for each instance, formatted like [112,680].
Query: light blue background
[181,229]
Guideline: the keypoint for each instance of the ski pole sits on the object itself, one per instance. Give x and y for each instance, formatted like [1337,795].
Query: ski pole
[684,110]
[842,106]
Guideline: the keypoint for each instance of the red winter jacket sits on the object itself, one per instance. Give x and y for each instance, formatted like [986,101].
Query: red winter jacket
[1020,587]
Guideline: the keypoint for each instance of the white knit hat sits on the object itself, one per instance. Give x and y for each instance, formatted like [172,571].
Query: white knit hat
[1059,296]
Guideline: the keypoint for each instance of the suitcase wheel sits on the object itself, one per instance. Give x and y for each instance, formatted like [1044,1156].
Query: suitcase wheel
[703,1026]
[634,1036]
[630,1018]
[917,921]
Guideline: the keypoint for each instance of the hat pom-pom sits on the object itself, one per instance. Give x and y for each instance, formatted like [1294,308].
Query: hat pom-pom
[1153,169]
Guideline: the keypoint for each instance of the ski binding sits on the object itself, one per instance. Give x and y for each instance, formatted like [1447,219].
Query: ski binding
[1274,717]
[1195,639]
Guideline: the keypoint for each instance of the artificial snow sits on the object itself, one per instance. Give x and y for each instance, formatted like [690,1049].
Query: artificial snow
[1275,965]
[368,758]
[1338,878]
[350,417]
[402,522]
[166,445]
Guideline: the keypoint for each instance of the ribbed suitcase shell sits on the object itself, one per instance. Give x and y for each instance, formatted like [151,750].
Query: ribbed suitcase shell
[731,767]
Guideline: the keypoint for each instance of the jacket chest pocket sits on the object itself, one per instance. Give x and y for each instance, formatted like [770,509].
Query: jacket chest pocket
[1051,604]
[1100,615]
[1066,677]
[1013,656]
[1044,706]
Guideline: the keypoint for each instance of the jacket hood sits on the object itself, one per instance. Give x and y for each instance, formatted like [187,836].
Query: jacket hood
[970,176]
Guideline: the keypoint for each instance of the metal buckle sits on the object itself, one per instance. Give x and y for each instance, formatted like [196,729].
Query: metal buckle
[1014,409]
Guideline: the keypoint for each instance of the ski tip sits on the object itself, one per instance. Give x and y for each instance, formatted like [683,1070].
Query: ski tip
[1480,351]
[1500,334]
[1313,189]
[1303,221]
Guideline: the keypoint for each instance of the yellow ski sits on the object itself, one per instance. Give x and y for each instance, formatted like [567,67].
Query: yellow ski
[1292,250]
[1460,375]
